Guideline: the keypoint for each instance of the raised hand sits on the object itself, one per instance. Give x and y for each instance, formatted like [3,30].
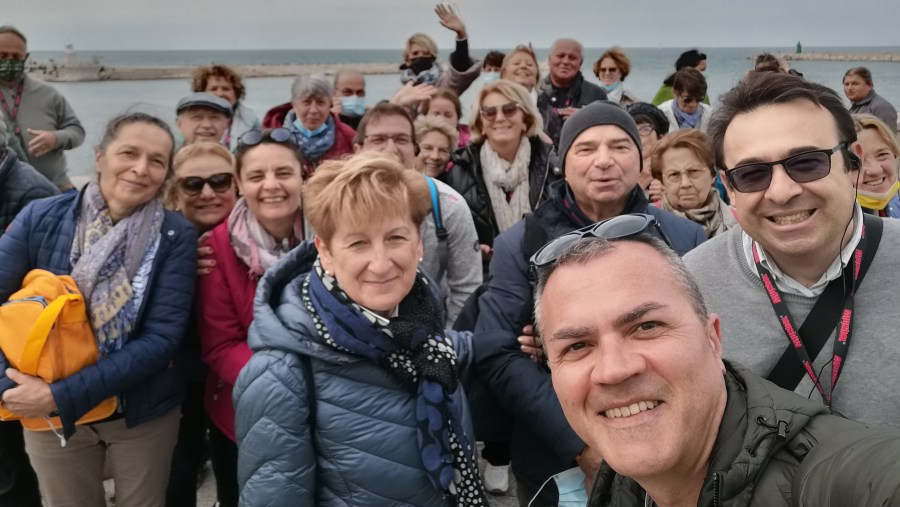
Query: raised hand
[450,19]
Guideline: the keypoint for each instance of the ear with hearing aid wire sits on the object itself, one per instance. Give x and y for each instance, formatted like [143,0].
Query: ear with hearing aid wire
[855,161]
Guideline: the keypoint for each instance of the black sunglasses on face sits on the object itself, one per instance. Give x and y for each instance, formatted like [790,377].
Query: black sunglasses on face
[803,167]
[193,185]
[508,109]
[622,226]
[279,135]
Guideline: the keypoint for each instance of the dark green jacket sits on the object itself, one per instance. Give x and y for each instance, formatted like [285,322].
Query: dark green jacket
[816,459]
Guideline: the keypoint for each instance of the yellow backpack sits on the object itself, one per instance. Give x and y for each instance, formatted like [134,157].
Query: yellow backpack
[44,332]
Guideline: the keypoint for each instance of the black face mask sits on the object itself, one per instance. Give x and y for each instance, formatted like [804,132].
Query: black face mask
[419,65]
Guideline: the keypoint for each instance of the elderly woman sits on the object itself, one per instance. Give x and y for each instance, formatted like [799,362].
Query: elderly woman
[203,190]
[420,57]
[683,161]
[877,188]
[222,81]
[352,394]
[437,140]
[134,262]
[445,104]
[611,69]
[652,124]
[505,171]
[521,66]
[320,134]
[258,232]
[687,110]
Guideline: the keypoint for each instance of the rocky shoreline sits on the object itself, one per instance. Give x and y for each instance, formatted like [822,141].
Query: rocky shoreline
[843,57]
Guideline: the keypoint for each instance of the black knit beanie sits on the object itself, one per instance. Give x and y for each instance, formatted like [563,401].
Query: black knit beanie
[601,112]
[644,112]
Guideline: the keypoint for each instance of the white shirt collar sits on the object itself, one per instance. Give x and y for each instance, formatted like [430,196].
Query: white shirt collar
[787,284]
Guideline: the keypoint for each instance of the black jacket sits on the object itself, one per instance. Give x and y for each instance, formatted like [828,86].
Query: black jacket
[775,448]
[467,178]
[19,184]
[578,94]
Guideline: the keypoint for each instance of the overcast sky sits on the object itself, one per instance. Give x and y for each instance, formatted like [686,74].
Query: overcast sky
[376,24]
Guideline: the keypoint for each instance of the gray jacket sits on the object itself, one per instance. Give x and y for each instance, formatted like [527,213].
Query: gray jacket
[877,106]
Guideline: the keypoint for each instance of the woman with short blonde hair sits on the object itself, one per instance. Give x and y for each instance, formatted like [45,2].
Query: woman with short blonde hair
[877,187]
[351,367]
[437,140]
[521,66]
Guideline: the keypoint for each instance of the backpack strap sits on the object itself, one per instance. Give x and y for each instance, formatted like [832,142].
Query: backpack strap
[439,229]
[40,331]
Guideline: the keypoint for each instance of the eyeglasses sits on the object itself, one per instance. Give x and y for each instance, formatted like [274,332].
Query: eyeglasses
[622,226]
[219,182]
[279,135]
[490,113]
[689,100]
[608,70]
[645,129]
[382,139]
[803,167]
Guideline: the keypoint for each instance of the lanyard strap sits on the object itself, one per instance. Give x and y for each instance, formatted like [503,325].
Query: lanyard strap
[17,99]
[845,324]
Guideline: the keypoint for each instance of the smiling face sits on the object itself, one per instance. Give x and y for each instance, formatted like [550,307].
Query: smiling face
[503,129]
[133,167]
[312,110]
[609,71]
[522,69]
[434,154]
[271,182]
[794,222]
[602,167]
[445,109]
[565,62]
[375,265]
[686,181]
[201,124]
[855,87]
[639,375]
[879,170]
[206,209]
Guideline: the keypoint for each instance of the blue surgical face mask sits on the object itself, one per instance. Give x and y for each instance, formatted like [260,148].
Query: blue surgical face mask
[571,488]
[353,105]
[305,132]
[611,87]
[490,77]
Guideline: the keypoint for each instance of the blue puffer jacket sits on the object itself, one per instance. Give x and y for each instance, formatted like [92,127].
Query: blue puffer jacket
[144,372]
[543,444]
[316,426]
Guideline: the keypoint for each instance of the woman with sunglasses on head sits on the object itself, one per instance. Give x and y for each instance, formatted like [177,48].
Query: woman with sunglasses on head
[203,190]
[134,263]
[505,171]
[683,162]
[877,188]
[611,69]
[320,133]
[687,110]
[353,395]
[265,224]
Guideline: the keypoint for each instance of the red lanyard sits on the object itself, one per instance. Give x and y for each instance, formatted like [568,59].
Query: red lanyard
[845,325]
[15,112]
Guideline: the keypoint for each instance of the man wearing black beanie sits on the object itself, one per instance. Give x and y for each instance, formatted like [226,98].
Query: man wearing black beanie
[600,152]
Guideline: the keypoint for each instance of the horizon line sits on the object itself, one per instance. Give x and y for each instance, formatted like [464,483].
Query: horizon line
[451,49]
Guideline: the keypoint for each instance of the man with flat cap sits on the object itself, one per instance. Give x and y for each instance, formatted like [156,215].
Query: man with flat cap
[202,117]
[600,150]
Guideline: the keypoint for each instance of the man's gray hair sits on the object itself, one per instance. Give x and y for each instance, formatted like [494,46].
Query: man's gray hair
[15,31]
[311,85]
[585,250]
[570,41]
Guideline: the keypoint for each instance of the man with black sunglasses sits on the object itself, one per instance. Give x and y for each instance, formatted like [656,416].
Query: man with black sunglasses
[600,150]
[789,281]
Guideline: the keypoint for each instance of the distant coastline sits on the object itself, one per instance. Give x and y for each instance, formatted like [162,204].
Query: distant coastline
[96,72]
[828,56]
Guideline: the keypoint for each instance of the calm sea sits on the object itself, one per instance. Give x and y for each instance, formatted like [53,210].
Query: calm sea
[96,102]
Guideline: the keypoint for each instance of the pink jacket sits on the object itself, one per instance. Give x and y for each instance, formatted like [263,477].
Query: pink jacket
[224,306]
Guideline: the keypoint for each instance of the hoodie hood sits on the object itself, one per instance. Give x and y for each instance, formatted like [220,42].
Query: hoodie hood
[280,319]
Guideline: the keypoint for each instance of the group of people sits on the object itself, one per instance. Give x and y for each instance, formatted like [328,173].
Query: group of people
[334,303]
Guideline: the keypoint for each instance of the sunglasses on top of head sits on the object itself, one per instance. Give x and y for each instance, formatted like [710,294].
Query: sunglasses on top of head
[801,167]
[279,135]
[490,113]
[193,185]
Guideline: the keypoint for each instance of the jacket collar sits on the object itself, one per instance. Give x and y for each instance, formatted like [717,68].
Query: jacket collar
[561,196]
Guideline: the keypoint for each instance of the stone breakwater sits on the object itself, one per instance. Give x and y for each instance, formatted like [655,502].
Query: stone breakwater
[843,57]
[104,73]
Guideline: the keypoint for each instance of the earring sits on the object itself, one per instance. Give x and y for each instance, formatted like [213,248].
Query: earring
[421,259]
[327,273]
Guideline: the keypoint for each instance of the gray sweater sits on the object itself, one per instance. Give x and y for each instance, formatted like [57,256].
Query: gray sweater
[462,273]
[752,336]
[44,108]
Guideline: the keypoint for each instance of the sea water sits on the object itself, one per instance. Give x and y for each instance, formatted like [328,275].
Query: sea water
[96,102]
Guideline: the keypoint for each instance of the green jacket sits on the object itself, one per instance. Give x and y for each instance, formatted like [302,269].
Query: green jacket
[793,455]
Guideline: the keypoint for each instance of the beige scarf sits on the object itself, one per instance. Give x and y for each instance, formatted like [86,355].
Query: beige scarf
[504,179]
[711,216]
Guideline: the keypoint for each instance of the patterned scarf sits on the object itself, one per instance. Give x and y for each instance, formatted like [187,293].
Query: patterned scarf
[312,147]
[253,245]
[687,120]
[710,215]
[507,184]
[427,76]
[110,264]
[411,347]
